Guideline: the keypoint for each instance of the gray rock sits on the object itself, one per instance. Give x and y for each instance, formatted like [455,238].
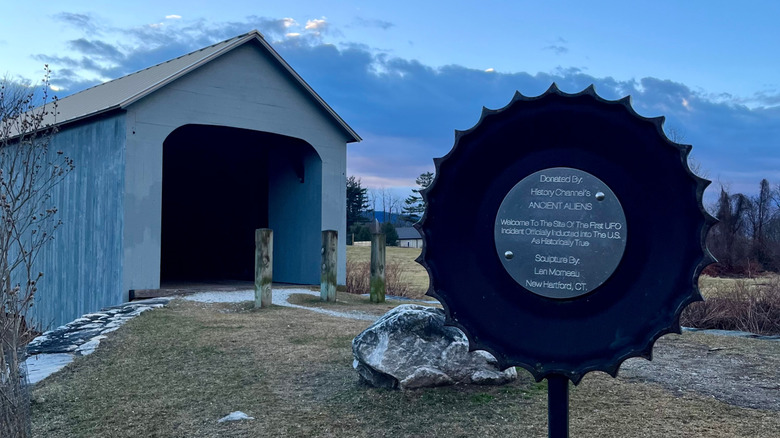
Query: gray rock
[425,377]
[410,347]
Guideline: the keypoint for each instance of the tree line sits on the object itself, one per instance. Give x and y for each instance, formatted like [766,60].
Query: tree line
[364,205]
[746,239]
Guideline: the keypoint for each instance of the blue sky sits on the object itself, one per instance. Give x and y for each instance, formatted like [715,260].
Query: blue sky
[406,74]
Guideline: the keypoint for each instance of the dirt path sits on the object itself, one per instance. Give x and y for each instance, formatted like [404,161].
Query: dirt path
[738,371]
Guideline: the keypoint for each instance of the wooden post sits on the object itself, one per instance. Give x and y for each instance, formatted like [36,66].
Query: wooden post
[377,267]
[264,263]
[330,239]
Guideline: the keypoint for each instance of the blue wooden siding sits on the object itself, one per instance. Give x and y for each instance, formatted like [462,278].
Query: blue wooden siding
[295,215]
[82,266]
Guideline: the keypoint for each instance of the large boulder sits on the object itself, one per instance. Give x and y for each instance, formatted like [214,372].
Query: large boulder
[410,347]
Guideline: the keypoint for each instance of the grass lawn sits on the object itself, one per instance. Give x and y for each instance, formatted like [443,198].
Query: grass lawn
[413,273]
[718,286]
[416,276]
[173,372]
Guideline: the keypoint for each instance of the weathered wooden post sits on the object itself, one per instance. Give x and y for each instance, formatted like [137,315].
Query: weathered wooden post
[330,239]
[264,263]
[377,264]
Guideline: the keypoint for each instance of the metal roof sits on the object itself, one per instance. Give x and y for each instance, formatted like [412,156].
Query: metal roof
[408,233]
[122,92]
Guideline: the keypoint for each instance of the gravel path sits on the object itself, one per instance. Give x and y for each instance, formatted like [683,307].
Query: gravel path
[742,372]
[280,298]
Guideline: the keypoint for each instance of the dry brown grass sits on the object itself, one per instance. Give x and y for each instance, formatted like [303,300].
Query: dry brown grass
[751,305]
[173,372]
[403,276]
[403,260]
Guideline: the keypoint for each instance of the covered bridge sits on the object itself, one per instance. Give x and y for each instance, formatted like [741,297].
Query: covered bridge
[178,164]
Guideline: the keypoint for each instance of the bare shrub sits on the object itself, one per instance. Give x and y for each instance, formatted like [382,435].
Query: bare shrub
[751,306]
[359,279]
[395,280]
[28,172]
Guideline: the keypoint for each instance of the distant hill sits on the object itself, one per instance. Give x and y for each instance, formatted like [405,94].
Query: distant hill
[383,217]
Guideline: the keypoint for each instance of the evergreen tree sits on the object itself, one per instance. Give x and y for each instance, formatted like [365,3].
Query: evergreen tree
[362,233]
[357,202]
[391,236]
[414,205]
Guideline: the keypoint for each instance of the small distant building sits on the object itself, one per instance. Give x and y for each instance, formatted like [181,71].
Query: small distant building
[178,164]
[409,237]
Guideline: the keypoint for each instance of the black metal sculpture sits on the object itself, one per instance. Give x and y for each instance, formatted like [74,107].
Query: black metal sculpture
[558,168]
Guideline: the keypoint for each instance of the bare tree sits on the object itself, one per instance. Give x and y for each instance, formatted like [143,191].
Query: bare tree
[389,202]
[763,204]
[28,172]
[678,136]
[726,239]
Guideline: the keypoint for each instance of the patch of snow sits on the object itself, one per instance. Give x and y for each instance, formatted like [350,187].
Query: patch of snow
[90,326]
[42,366]
[89,347]
[39,339]
[736,333]
[57,348]
[79,320]
[235,416]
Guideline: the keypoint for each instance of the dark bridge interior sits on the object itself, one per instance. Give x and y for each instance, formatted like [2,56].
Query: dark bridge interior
[214,195]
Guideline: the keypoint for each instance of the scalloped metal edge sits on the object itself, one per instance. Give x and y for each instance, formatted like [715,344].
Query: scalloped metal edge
[707,258]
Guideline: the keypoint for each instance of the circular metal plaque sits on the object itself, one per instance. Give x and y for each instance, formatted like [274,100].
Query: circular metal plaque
[560,232]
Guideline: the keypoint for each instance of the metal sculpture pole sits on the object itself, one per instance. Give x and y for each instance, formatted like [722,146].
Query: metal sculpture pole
[557,406]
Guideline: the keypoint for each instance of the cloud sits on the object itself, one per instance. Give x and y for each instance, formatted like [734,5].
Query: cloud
[96,48]
[83,22]
[766,98]
[173,17]
[316,25]
[372,23]
[407,111]
[558,50]
[115,52]
[558,46]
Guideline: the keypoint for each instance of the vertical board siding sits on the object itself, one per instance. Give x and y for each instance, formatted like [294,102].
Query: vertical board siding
[82,266]
[294,216]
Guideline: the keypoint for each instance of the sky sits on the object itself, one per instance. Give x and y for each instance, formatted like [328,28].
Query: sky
[406,74]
